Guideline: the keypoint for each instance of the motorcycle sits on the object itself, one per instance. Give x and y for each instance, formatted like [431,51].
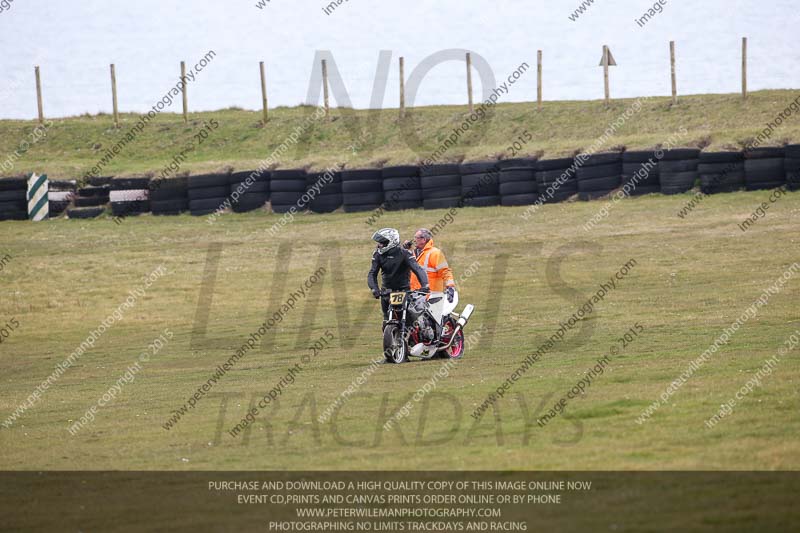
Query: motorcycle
[410,330]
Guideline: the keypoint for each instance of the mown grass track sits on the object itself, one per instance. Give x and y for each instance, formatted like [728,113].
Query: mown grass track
[693,277]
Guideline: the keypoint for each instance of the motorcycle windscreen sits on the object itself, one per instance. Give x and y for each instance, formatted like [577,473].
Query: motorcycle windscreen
[450,307]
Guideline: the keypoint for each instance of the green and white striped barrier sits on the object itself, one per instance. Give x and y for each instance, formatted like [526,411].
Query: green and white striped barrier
[38,203]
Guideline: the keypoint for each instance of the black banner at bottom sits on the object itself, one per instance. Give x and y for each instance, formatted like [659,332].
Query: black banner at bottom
[399,501]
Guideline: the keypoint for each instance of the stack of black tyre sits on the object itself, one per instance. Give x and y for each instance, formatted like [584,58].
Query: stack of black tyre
[517,182]
[129,196]
[329,197]
[91,201]
[93,196]
[60,195]
[764,168]
[100,181]
[599,175]
[480,183]
[286,189]
[677,170]
[555,180]
[13,199]
[362,190]
[640,173]
[169,196]
[441,186]
[207,193]
[402,188]
[792,167]
[721,171]
[249,197]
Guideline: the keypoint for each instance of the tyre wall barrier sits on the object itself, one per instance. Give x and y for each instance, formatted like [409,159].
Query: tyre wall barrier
[207,193]
[362,190]
[90,201]
[441,186]
[329,196]
[169,196]
[13,199]
[62,193]
[517,182]
[677,170]
[599,175]
[286,187]
[402,188]
[507,182]
[792,166]
[246,197]
[640,173]
[129,196]
[480,183]
[85,212]
[764,168]
[556,179]
[721,171]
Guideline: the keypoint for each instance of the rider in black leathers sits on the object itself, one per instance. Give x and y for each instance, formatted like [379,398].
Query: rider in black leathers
[395,264]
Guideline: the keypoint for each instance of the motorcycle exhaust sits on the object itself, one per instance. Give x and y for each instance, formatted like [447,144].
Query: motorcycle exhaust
[460,323]
[416,350]
[465,314]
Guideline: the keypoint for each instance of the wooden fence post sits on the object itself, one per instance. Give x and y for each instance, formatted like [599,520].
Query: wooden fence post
[114,95]
[325,87]
[672,71]
[185,100]
[263,91]
[39,94]
[469,81]
[744,68]
[539,79]
[402,89]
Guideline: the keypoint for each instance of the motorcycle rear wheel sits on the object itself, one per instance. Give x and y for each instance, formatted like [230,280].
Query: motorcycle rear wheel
[456,350]
[394,347]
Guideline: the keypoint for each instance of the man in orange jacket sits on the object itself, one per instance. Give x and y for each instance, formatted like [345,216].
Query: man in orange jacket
[440,277]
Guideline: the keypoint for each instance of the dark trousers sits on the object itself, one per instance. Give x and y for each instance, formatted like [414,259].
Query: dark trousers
[384,306]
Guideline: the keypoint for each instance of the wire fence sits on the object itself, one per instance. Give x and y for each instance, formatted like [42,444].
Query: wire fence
[565,77]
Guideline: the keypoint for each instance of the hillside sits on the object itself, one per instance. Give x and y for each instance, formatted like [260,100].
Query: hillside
[72,146]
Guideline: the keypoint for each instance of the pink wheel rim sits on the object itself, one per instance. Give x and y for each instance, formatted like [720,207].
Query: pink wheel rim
[457,347]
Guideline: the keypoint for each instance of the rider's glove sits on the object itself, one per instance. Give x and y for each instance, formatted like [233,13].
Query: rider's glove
[376,293]
[451,293]
[407,245]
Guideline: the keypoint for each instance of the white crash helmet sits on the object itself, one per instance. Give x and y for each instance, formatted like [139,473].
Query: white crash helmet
[387,239]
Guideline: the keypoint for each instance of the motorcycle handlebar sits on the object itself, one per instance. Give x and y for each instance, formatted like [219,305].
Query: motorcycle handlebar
[387,292]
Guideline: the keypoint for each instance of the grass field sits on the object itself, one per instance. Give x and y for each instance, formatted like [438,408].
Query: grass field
[74,145]
[693,277]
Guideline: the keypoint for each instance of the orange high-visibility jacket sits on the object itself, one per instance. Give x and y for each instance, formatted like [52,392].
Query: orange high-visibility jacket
[439,274]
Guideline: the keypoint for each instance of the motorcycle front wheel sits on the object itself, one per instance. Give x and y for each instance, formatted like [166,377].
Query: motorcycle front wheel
[394,347]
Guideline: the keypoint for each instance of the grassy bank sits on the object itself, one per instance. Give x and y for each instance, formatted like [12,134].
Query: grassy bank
[74,145]
[693,277]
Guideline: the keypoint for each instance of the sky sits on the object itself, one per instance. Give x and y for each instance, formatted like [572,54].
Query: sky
[74,43]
